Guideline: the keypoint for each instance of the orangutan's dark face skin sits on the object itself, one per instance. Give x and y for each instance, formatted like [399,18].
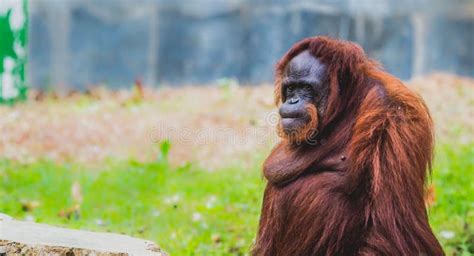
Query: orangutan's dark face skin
[304,90]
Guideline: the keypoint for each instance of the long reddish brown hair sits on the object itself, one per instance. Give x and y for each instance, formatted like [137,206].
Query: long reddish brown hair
[360,190]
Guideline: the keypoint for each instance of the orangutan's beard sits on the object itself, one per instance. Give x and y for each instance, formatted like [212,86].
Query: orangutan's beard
[306,131]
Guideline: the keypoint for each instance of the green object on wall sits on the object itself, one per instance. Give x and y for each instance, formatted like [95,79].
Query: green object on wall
[13,46]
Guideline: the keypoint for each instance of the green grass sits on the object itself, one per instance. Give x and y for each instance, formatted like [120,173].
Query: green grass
[453,178]
[189,211]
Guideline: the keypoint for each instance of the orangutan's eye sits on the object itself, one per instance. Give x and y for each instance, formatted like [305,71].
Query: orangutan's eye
[290,88]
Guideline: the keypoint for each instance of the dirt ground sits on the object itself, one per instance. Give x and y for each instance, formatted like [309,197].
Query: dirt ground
[214,126]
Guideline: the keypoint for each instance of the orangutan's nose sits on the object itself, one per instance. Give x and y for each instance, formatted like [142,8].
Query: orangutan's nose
[294,100]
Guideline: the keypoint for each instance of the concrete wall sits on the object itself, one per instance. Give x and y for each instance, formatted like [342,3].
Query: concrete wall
[78,43]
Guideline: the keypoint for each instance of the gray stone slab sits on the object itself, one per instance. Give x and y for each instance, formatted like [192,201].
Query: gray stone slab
[27,238]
